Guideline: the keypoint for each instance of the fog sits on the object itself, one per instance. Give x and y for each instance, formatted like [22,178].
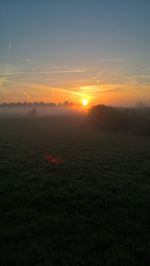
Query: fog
[25,111]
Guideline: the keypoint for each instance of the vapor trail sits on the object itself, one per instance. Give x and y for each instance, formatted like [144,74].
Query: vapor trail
[9,45]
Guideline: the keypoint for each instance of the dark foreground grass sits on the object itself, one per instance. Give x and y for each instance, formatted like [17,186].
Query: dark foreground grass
[94,209]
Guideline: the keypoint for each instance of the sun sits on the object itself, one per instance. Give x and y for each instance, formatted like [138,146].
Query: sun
[85,102]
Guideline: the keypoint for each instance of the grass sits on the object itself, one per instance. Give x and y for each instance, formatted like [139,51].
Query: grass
[91,210]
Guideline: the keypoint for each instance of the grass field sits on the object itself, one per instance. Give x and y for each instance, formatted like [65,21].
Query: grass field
[94,209]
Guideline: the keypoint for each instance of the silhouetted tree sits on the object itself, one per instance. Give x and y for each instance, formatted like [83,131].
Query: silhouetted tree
[66,103]
[140,104]
[125,120]
[33,112]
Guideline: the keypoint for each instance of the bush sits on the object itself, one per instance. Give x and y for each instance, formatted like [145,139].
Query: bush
[124,120]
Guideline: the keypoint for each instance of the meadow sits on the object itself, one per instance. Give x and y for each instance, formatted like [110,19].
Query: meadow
[91,209]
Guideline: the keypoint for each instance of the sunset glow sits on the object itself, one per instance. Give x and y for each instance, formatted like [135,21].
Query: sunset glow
[85,102]
[79,57]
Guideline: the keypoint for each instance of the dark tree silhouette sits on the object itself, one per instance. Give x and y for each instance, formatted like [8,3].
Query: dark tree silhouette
[123,120]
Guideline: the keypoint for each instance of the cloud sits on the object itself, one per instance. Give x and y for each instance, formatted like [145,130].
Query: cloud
[43,72]
[2,83]
[112,60]
[28,60]
[93,90]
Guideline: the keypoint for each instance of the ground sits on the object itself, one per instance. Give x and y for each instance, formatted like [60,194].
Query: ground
[92,209]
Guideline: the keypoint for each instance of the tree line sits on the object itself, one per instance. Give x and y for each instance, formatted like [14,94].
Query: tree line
[37,104]
[122,120]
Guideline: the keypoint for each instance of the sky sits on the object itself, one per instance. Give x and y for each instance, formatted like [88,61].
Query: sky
[57,50]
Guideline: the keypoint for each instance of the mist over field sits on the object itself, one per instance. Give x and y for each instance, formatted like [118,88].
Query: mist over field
[25,111]
[72,192]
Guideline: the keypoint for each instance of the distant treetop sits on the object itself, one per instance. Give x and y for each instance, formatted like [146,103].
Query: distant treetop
[40,104]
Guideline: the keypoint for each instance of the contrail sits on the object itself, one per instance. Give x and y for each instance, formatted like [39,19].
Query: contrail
[10,44]
[44,72]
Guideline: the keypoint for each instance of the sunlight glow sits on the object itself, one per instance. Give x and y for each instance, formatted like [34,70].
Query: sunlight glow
[85,102]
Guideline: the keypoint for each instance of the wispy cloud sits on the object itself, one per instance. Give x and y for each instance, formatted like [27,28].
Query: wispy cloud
[112,60]
[97,89]
[43,72]
[28,60]
[2,82]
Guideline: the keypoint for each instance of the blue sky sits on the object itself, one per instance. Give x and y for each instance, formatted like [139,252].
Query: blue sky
[74,46]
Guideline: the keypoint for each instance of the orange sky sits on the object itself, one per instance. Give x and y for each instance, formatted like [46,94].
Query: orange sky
[112,86]
[53,52]
[112,94]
